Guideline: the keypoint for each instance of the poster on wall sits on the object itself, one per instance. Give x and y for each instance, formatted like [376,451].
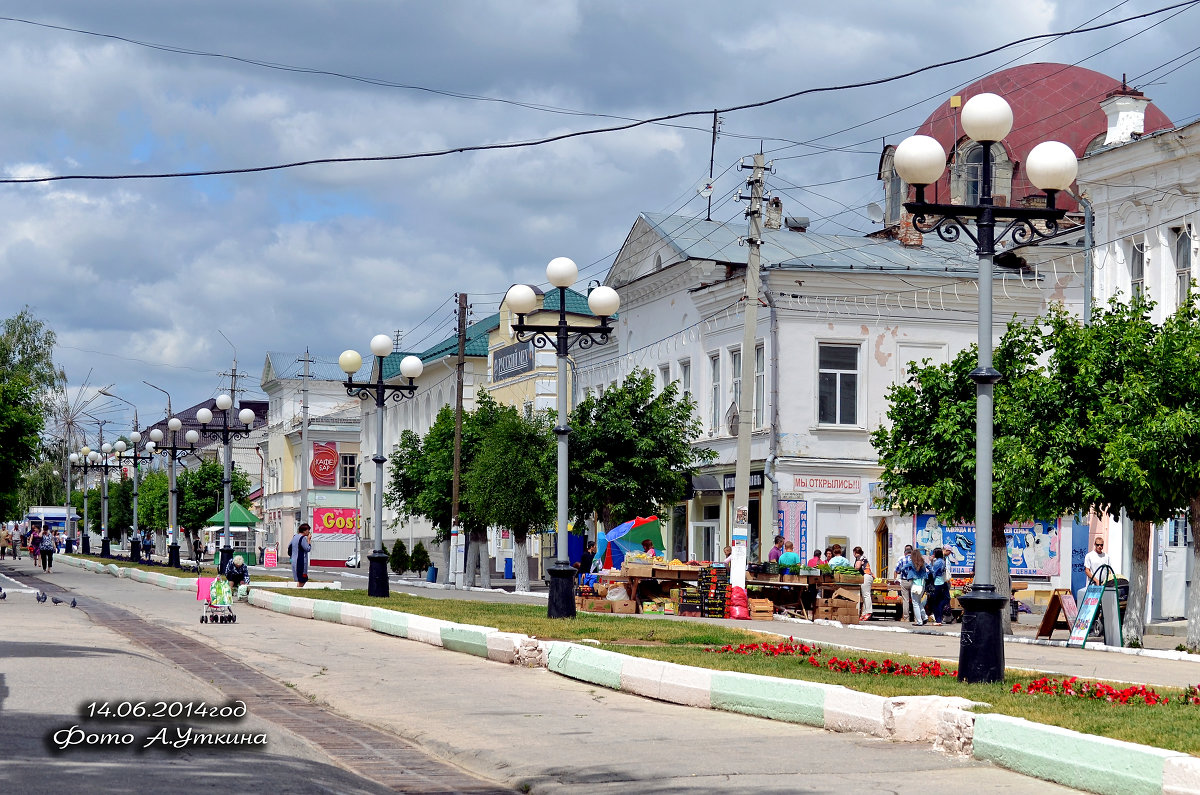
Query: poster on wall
[323,467]
[1033,547]
[337,521]
[793,524]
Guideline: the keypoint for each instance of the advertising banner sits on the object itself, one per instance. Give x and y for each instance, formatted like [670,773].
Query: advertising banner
[1033,547]
[335,520]
[793,525]
[271,558]
[512,360]
[324,465]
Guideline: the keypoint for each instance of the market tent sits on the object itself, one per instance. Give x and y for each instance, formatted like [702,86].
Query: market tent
[238,516]
[614,544]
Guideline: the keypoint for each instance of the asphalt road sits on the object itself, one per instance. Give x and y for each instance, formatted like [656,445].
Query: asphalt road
[527,729]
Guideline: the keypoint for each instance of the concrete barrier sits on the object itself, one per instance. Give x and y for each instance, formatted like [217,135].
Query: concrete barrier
[1083,761]
[678,684]
[323,610]
[789,700]
[1181,776]
[466,638]
[597,666]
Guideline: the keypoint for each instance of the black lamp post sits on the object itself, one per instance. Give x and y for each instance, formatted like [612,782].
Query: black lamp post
[410,367]
[106,450]
[226,433]
[604,302]
[1050,166]
[174,453]
[130,453]
[88,457]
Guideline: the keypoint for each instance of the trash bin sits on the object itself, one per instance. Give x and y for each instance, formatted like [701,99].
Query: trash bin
[508,575]
[431,575]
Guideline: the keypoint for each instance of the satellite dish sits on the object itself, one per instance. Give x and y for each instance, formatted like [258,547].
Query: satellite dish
[875,213]
[707,190]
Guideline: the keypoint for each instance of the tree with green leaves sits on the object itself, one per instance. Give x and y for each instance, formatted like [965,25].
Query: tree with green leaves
[632,450]
[28,381]
[511,480]
[419,560]
[202,493]
[927,447]
[153,495]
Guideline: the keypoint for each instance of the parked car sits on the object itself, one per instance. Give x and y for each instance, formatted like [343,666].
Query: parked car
[354,561]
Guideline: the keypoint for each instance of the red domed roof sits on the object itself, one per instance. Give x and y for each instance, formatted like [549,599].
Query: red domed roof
[1050,102]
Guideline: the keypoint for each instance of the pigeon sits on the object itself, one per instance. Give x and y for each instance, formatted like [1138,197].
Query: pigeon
[73,603]
[3,595]
[41,597]
[56,600]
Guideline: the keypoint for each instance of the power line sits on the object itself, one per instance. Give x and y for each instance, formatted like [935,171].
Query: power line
[595,131]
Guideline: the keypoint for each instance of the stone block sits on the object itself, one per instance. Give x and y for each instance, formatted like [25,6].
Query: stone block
[426,630]
[790,700]
[1181,776]
[324,610]
[587,664]
[389,622]
[914,719]
[851,711]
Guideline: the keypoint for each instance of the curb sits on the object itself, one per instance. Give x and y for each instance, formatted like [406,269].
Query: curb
[1083,761]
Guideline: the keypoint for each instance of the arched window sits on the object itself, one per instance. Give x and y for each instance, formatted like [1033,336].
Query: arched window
[894,190]
[658,262]
[968,174]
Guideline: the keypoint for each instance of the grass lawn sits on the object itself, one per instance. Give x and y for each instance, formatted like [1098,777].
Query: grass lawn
[1174,726]
[205,571]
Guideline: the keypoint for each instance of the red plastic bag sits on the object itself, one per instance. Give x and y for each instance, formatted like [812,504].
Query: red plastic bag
[738,598]
[740,613]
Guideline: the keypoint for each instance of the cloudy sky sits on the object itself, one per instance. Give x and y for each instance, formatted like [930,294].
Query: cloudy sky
[141,278]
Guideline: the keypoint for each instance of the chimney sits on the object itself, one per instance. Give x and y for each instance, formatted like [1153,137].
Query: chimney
[797,223]
[774,218]
[1126,111]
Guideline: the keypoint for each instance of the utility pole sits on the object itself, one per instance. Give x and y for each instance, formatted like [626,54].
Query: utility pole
[458,412]
[305,451]
[712,157]
[741,490]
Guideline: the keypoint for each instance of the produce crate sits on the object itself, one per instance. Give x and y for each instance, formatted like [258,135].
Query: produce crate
[623,605]
[638,570]
[597,606]
[855,579]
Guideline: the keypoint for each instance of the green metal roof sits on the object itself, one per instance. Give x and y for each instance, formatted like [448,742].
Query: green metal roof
[238,516]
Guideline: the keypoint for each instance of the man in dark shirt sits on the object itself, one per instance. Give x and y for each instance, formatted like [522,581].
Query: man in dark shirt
[589,555]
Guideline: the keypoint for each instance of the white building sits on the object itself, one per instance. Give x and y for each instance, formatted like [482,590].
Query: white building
[840,320]
[1143,193]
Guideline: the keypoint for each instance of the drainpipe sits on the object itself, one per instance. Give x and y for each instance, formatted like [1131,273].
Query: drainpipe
[1089,244]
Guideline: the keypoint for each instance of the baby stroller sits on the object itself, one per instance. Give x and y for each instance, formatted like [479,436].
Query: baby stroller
[218,600]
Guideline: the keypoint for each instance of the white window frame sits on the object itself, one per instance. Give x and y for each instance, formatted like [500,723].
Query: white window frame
[348,471]
[664,377]
[685,376]
[1137,266]
[1183,263]
[839,420]
[760,383]
[714,410]
[735,376]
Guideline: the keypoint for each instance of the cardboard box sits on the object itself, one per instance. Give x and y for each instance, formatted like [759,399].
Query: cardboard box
[637,570]
[597,606]
[623,605]
[652,608]
[848,594]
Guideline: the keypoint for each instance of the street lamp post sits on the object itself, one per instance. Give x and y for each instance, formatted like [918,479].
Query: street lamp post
[1050,166]
[174,453]
[73,458]
[226,433]
[86,456]
[604,302]
[106,450]
[410,367]
[125,453]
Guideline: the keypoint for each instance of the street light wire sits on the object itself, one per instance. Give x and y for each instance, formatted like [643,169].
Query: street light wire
[599,130]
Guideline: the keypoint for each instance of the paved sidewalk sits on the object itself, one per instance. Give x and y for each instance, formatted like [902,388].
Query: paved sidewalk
[530,729]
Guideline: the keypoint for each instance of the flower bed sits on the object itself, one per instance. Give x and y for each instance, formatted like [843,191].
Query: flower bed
[929,668]
[1072,687]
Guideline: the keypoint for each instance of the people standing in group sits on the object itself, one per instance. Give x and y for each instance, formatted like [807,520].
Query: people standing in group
[299,551]
[46,550]
[828,555]
[920,572]
[789,556]
[818,557]
[904,573]
[776,550]
[863,567]
[838,558]
[939,598]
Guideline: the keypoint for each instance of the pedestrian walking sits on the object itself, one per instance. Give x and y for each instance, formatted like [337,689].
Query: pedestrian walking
[34,542]
[920,572]
[298,551]
[904,573]
[5,541]
[939,599]
[46,548]
[863,567]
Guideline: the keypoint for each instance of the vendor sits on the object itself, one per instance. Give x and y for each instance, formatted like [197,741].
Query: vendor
[818,557]
[648,548]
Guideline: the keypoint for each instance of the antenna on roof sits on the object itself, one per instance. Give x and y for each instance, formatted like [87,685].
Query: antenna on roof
[398,340]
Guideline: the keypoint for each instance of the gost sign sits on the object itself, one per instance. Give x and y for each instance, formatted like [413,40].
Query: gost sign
[512,360]
[335,520]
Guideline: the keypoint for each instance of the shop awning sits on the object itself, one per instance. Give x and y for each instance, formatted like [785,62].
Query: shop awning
[705,485]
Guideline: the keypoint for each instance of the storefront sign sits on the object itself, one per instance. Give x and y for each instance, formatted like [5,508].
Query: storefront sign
[512,360]
[335,520]
[1086,615]
[270,558]
[827,483]
[756,481]
[1033,547]
[324,464]
[793,524]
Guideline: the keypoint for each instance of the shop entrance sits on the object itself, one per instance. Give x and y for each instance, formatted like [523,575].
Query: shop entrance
[703,543]
[883,564]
